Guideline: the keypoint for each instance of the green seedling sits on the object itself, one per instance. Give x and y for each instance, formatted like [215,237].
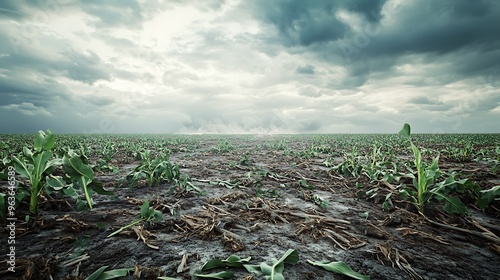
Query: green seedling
[154,170]
[81,174]
[426,177]
[275,270]
[339,268]
[78,175]
[104,165]
[223,146]
[351,166]
[35,165]
[147,215]
[321,202]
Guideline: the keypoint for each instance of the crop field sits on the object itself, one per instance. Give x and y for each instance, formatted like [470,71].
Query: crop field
[342,206]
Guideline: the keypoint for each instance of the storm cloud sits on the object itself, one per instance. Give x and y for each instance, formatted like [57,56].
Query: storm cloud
[233,66]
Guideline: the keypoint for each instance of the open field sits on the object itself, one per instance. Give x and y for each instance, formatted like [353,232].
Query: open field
[361,199]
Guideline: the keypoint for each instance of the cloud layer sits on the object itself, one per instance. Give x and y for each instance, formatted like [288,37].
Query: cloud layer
[357,66]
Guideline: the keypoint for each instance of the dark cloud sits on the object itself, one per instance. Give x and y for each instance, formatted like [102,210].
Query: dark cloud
[85,67]
[42,92]
[306,23]
[446,29]
[12,9]
[427,28]
[115,12]
[424,100]
[100,100]
[430,104]
[302,22]
[370,9]
[306,69]
[260,66]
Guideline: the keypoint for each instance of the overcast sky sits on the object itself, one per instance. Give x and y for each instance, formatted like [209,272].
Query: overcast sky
[224,66]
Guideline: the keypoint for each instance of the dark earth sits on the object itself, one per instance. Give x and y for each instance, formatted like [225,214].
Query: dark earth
[257,216]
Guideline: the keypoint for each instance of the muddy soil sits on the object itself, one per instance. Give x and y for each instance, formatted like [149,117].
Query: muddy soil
[259,216]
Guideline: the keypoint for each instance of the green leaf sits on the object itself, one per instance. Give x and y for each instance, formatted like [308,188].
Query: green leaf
[101,274]
[253,268]
[145,209]
[274,272]
[23,168]
[80,173]
[487,196]
[98,188]
[453,205]
[74,167]
[340,268]
[217,275]
[44,142]
[236,261]
[27,152]
[167,278]
[55,182]
[40,162]
[405,131]
[95,275]
[158,216]
[114,274]
[211,264]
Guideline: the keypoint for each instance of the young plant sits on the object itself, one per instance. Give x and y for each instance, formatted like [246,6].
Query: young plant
[426,177]
[147,214]
[35,165]
[78,175]
[351,166]
[154,170]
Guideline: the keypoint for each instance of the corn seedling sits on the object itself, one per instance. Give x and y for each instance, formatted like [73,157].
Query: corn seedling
[147,214]
[426,177]
[156,170]
[223,146]
[461,154]
[78,175]
[35,165]
[351,166]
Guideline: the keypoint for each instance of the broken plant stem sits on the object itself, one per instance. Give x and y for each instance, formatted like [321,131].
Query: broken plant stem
[125,227]
[476,233]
